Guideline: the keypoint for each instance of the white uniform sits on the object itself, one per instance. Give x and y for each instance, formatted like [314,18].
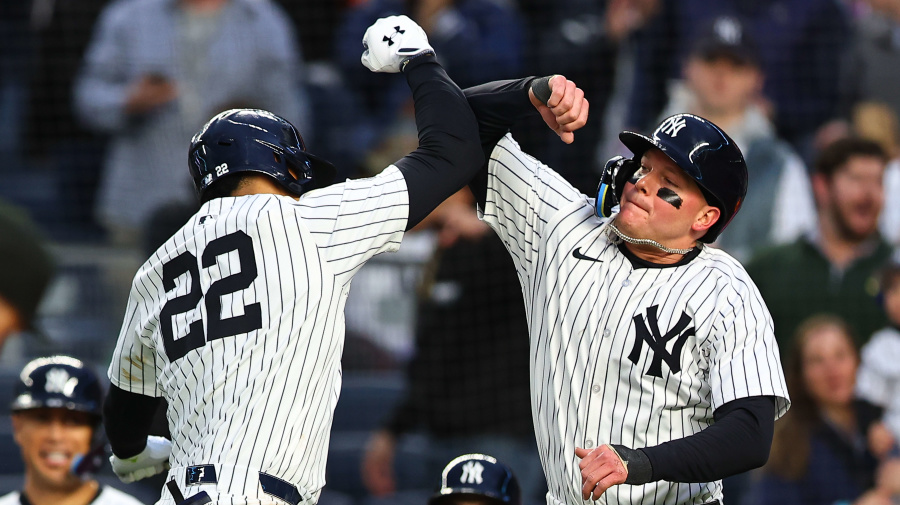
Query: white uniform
[107,496]
[878,378]
[623,353]
[237,321]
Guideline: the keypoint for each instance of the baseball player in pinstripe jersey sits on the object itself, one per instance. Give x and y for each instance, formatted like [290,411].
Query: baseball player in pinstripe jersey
[655,371]
[237,320]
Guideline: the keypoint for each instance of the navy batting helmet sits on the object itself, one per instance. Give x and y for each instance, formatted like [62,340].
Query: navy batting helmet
[58,382]
[253,140]
[706,153]
[477,475]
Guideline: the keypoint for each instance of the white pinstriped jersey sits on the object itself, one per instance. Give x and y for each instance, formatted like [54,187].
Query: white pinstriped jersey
[107,496]
[237,320]
[878,378]
[623,355]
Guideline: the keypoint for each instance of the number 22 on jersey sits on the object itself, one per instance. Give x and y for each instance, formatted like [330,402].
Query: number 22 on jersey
[215,327]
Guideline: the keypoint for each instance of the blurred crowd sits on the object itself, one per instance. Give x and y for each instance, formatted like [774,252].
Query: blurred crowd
[99,99]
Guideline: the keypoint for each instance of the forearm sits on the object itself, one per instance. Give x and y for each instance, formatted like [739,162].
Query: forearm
[127,418]
[497,107]
[739,441]
[448,155]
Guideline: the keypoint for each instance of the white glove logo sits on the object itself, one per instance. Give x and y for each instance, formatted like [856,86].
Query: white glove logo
[391,42]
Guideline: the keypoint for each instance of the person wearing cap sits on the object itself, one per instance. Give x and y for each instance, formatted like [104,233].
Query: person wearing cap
[477,479]
[56,415]
[723,82]
[26,269]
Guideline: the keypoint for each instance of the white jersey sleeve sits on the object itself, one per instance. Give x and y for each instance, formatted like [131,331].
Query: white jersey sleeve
[523,194]
[357,219]
[743,354]
[136,371]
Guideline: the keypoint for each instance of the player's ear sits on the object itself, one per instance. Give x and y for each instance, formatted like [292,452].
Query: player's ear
[707,217]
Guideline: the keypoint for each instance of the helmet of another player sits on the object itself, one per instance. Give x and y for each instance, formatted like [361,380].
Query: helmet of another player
[705,153]
[254,140]
[477,478]
[58,382]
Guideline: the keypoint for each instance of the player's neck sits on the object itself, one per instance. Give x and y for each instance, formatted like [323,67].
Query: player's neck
[261,185]
[39,493]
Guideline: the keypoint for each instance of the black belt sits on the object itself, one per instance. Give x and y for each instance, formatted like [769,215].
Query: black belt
[279,488]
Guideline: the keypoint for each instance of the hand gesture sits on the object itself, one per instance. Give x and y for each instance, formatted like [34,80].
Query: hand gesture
[391,42]
[564,110]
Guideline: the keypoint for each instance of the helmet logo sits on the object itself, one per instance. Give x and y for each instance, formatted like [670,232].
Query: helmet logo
[672,125]
[471,473]
[59,381]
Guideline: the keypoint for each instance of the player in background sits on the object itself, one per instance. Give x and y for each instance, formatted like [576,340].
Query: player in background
[477,479]
[237,320]
[55,422]
[655,371]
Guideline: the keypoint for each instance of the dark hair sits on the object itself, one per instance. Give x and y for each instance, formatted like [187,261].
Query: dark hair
[225,186]
[789,458]
[839,152]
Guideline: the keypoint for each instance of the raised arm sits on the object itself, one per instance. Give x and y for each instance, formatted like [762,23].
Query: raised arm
[499,105]
[448,155]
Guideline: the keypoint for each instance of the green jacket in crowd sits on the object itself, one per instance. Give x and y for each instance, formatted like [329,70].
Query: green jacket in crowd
[797,281]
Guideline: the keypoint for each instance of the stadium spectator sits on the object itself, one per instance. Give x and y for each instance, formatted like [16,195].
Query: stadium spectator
[723,82]
[819,453]
[878,380]
[156,70]
[800,43]
[832,269]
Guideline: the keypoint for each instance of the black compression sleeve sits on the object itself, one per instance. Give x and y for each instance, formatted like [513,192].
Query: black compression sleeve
[448,155]
[497,106]
[127,418]
[739,441]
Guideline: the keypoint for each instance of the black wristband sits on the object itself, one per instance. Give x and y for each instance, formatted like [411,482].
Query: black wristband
[637,463]
[541,88]
[407,61]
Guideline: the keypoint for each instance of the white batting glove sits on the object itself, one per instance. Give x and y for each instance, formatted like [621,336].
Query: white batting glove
[391,42]
[152,460]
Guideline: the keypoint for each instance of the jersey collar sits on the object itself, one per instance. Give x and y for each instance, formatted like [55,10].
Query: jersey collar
[638,263]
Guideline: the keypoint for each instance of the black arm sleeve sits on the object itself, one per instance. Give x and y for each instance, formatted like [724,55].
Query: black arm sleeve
[448,155]
[739,441]
[497,106]
[127,418]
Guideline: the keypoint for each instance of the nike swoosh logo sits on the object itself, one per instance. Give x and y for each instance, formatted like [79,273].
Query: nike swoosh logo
[577,254]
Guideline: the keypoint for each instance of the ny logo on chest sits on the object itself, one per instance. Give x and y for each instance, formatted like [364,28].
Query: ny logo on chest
[648,331]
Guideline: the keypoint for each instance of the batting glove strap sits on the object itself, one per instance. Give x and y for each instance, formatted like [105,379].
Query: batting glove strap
[152,460]
[391,42]
[640,471]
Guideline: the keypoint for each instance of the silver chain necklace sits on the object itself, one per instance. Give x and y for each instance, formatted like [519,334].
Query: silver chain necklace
[617,236]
